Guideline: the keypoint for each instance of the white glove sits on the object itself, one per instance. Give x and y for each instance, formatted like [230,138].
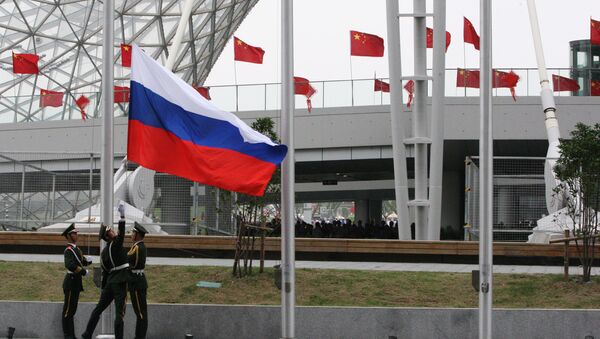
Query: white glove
[85,272]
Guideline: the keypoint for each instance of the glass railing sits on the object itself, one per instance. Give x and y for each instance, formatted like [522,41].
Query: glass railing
[267,96]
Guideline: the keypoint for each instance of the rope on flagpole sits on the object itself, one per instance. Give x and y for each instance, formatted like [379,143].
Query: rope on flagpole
[351,77]
[236,85]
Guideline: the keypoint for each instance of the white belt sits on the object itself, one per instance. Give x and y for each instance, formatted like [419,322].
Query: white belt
[69,272]
[118,268]
[140,272]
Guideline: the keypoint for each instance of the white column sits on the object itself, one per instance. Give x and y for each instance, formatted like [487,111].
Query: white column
[107,167]
[420,129]
[288,274]
[486,166]
[437,120]
[397,110]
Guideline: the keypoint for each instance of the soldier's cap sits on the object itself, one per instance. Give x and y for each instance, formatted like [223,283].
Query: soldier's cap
[68,230]
[139,228]
[103,231]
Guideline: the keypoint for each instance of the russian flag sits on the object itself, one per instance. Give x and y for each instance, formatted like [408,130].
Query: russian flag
[173,129]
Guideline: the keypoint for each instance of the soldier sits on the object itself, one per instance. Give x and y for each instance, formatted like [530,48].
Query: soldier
[72,284]
[114,279]
[137,283]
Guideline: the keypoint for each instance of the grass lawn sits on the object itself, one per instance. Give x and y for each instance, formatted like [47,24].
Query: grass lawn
[314,287]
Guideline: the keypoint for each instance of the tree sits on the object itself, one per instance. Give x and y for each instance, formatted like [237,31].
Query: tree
[255,210]
[578,170]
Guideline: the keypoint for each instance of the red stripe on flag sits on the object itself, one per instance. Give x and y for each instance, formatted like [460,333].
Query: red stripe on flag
[162,151]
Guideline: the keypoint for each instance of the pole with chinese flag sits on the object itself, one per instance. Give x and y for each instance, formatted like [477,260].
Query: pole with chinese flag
[125,55]
[51,98]
[244,52]
[430,38]
[25,63]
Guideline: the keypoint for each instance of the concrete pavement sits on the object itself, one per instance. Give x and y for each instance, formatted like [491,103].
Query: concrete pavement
[341,265]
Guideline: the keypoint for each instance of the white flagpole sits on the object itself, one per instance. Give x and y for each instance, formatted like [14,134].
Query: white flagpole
[107,156]
[486,174]
[288,289]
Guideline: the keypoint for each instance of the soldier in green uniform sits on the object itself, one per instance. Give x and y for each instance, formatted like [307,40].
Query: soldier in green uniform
[137,284]
[72,284]
[114,279]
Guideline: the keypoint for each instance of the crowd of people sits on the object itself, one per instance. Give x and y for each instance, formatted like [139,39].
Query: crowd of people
[343,228]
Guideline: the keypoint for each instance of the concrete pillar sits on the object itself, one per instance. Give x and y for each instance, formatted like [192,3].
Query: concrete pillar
[367,210]
[361,210]
[375,210]
[452,205]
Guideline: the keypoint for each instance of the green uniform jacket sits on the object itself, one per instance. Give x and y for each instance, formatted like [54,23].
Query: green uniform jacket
[74,263]
[137,261]
[114,255]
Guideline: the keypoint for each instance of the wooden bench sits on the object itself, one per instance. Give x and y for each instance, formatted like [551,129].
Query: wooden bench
[304,245]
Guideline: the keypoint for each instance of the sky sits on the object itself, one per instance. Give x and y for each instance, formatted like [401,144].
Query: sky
[322,38]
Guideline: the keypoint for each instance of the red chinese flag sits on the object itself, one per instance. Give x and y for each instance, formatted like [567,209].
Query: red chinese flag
[466,78]
[82,102]
[121,94]
[204,91]
[25,63]
[561,84]
[381,86]
[430,38]
[363,44]
[506,80]
[244,52]
[595,88]
[51,98]
[594,32]
[410,88]
[470,34]
[302,86]
[126,55]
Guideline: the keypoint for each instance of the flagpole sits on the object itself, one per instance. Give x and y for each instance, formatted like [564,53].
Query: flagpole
[486,154]
[351,80]
[288,288]
[106,182]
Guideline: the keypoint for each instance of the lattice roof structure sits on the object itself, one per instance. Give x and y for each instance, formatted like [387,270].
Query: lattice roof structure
[67,35]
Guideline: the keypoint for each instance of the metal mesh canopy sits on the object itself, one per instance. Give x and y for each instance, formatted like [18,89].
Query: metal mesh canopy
[67,35]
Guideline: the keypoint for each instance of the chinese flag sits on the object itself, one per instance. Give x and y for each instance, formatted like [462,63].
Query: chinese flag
[244,52]
[121,94]
[302,86]
[564,84]
[410,88]
[470,34]
[595,88]
[381,86]
[125,55]
[466,78]
[50,98]
[430,38]
[594,32]
[506,80]
[82,102]
[25,63]
[363,44]
[204,91]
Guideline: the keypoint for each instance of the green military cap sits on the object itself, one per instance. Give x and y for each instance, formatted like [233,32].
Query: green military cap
[139,228]
[103,230]
[70,229]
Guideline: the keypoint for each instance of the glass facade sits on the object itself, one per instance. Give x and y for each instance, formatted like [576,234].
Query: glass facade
[585,65]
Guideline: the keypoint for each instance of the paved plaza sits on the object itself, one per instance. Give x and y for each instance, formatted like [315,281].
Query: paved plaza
[341,265]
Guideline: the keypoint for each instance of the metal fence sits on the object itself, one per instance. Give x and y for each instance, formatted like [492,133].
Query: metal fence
[519,197]
[266,96]
[41,189]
